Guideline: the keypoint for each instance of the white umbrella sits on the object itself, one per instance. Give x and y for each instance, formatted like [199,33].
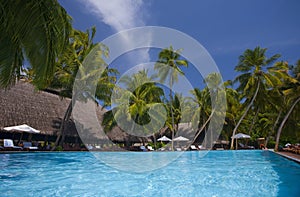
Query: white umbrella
[23,127]
[241,136]
[164,138]
[180,138]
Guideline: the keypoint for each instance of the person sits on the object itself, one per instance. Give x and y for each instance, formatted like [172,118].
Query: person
[21,144]
[263,147]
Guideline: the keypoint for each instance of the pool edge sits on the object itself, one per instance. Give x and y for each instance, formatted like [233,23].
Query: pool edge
[286,156]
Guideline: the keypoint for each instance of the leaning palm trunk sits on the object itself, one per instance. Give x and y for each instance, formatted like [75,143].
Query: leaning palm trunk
[202,127]
[154,140]
[61,134]
[273,128]
[172,117]
[243,116]
[283,123]
[253,121]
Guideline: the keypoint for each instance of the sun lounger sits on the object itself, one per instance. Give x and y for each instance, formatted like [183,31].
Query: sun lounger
[193,147]
[143,148]
[292,148]
[150,148]
[89,147]
[243,146]
[162,149]
[28,146]
[9,145]
[200,147]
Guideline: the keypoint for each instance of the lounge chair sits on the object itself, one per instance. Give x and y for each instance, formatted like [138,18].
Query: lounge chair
[9,145]
[193,147]
[178,149]
[89,147]
[150,148]
[28,146]
[143,148]
[162,149]
[200,147]
[243,146]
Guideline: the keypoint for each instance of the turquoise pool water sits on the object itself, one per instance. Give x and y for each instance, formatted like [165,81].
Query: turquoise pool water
[218,173]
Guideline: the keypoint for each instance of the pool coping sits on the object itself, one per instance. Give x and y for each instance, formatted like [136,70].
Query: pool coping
[286,156]
[16,152]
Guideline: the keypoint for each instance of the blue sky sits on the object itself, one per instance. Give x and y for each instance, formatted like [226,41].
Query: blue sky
[224,28]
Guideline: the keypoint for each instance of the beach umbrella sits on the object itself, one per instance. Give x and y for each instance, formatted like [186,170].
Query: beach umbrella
[180,138]
[164,139]
[240,136]
[22,128]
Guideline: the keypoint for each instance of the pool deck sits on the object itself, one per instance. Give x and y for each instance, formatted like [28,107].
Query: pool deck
[289,155]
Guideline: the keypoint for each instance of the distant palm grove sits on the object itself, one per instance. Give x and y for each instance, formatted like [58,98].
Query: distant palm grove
[262,101]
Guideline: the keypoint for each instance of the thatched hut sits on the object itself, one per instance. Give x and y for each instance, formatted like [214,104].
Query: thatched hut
[22,104]
[43,110]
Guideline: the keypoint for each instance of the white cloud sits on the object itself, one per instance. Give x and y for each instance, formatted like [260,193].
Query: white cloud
[121,15]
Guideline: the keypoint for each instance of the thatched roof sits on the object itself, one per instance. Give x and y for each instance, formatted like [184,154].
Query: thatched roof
[22,104]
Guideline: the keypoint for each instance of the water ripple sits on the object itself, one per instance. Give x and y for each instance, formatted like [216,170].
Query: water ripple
[218,173]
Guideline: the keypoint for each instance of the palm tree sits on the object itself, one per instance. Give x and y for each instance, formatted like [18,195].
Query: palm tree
[176,109]
[254,79]
[168,67]
[209,102]
[274,105]
[233,108]
[293,97]
[143,97]
[201,112]
[31,31]
[134,104]
[70,65]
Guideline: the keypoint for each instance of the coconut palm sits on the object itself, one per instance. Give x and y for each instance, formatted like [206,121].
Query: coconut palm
[177,110]
[233,108]
[138,104]
[208,106]
[66,70]
[34,32]
[168,67]
[201,98]
[293,98]
[270,116]
[254,80]
[70,67]
[272,110]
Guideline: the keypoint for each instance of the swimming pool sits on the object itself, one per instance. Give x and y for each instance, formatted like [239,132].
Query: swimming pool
[218,173]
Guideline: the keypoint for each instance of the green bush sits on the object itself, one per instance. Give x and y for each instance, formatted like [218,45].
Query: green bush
[271,144]
[158,145]
[59,148]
